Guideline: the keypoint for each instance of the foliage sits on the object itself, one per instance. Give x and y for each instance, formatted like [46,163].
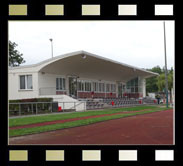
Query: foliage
[151,83]
[161,81]
[32,100]
[15,57]
[157,83]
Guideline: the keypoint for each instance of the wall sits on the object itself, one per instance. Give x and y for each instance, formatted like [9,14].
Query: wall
[153,95]
[14,91]
[66,102]
[47,83]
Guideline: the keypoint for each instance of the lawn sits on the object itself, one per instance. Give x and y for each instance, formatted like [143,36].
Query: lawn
[33,130]
[52,117]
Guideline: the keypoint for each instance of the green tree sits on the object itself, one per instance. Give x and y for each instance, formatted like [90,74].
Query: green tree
[15,57]
[161,82]
[151,83]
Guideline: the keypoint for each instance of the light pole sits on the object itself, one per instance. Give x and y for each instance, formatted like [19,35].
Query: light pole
[51,46]
[166,77]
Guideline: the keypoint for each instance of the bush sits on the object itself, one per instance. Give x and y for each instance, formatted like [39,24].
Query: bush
[32,100]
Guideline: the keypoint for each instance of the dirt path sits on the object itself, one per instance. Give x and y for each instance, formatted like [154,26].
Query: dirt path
[153,128]
[69,120]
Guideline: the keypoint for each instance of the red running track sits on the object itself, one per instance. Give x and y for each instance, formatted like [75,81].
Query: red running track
[153,128]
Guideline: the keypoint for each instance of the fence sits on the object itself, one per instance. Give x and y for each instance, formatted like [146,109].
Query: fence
[33,108]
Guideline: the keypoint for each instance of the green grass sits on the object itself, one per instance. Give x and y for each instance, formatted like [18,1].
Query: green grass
[34,130]
[52,117]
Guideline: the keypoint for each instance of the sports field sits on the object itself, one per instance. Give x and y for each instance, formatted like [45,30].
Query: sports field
[38,125]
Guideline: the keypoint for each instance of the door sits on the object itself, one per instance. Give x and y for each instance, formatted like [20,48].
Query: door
[73,86]
[120,90]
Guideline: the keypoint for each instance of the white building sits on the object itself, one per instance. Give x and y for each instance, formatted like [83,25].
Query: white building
[78,75]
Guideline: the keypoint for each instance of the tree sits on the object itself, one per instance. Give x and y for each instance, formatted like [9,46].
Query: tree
[161,82]
[15,57]
[151,83]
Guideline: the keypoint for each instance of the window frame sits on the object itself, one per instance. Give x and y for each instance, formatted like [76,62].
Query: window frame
[26,82]
[61,83]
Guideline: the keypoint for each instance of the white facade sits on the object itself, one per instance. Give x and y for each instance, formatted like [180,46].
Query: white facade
[14,91]
[93,68]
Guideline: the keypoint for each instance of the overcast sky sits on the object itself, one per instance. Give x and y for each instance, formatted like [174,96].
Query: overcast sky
[137,43]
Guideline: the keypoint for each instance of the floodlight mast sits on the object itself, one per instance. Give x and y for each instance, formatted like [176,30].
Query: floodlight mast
[51,47]
[166,73]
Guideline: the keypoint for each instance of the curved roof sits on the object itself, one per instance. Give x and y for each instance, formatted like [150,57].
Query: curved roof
[88,65]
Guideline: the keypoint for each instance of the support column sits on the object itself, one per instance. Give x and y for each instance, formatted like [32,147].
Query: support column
[144,87]
[67,85]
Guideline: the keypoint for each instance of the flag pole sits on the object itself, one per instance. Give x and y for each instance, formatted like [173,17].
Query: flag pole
[166,77]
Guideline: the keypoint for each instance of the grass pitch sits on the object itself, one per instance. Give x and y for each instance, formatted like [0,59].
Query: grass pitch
[47,118]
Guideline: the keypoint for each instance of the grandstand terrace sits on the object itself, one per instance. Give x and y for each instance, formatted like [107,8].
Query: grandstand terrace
[80,76]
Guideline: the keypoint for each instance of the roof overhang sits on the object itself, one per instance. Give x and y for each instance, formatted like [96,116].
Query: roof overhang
[86,65]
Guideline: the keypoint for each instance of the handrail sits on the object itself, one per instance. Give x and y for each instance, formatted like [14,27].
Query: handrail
[77,104]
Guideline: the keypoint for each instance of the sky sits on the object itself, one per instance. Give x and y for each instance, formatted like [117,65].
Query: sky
[137,43]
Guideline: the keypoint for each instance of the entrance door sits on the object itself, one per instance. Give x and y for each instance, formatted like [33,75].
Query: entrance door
[120,88]
[73,86]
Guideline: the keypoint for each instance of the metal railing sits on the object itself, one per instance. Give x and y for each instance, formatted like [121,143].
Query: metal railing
[34,108]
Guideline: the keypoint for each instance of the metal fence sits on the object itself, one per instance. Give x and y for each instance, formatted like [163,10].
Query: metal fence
[33,108]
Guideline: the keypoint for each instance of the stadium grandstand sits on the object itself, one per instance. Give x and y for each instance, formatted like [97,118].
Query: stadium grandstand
[81,77]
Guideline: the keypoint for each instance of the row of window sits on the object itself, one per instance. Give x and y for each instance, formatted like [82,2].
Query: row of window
[132,85]
[97,86]
[26,83]
[132,82]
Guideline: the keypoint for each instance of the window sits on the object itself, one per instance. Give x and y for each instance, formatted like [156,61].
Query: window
[87,86]
[101,87]
[80,85]
[26,82]
[60,83]
[95,86]
[108,89]
[113,88]
[132,85]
